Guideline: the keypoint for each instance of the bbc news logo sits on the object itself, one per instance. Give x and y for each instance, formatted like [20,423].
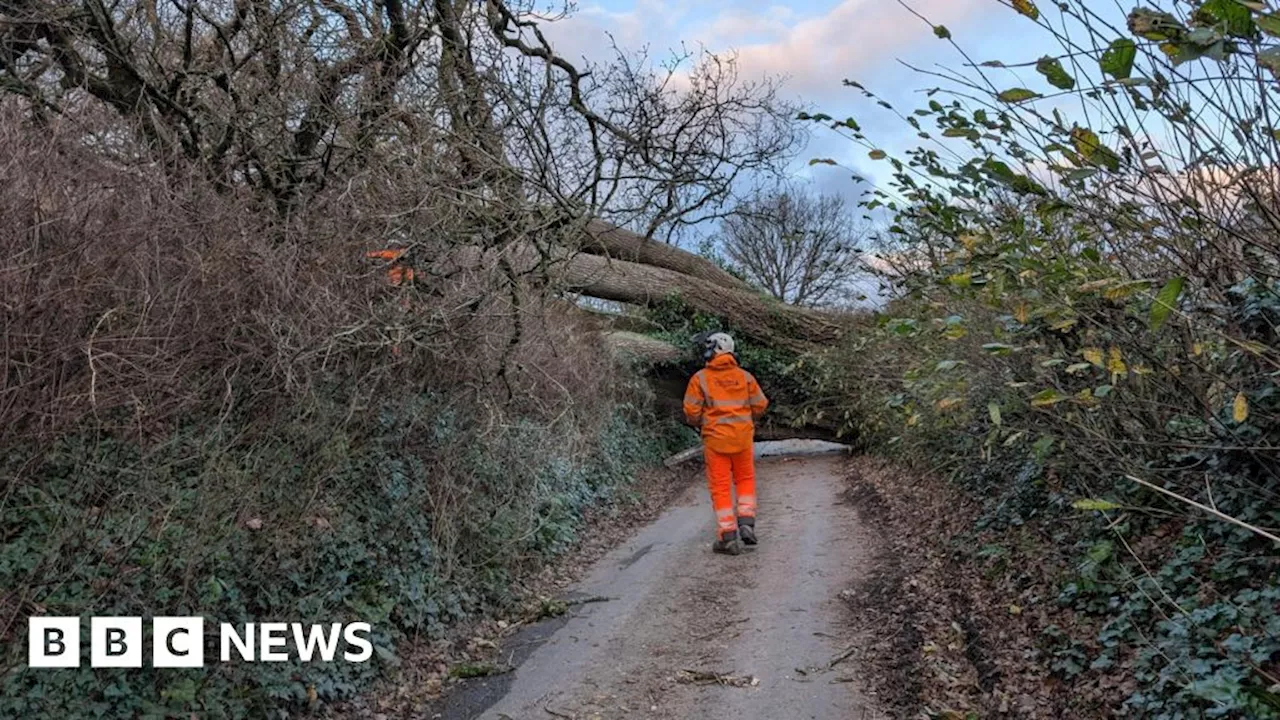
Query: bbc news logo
[179,642]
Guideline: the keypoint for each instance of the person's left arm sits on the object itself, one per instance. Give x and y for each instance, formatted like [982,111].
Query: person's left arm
[755,398]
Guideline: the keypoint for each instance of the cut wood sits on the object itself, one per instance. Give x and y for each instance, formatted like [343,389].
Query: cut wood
[683,456]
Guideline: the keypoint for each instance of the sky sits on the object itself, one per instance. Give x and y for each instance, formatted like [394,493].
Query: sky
[814,45]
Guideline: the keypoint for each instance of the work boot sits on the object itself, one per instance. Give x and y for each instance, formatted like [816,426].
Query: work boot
[747,530]
[727,545]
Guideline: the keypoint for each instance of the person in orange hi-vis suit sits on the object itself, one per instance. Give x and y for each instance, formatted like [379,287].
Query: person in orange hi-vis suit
[397,272]
[724,401]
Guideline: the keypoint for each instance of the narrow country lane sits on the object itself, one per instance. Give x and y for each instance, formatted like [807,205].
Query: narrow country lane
[679,615]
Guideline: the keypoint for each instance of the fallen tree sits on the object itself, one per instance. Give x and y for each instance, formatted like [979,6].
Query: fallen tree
[606,239]
[762,319]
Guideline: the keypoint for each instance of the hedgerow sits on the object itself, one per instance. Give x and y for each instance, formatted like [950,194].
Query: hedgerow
[1086,336]
[211,410]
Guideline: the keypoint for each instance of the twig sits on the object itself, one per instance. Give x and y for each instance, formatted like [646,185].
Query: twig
[584,601]
[705,677]
[558,714]
[842,656]
[1211,511]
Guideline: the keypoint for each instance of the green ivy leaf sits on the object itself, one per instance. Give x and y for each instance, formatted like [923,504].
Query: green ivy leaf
[1165,301]
[1101,552]
[1118,59]
[994,411]
[1053,71]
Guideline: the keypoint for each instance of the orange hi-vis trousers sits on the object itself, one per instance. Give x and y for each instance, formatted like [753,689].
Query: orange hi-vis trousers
[727,473]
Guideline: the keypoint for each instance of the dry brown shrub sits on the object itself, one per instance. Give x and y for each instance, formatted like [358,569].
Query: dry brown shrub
[137,299]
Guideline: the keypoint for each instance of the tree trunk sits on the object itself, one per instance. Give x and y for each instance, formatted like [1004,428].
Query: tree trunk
[602,238]
[762,319]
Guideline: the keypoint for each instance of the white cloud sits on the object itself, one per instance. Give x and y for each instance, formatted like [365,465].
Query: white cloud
[738,25]
[850,39]
[814,52]
[652,24]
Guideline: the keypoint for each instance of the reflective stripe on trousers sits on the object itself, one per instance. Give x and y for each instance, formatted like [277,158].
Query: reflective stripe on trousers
[726,474]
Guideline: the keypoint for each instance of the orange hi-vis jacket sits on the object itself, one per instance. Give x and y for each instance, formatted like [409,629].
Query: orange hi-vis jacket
[724,401]
[396,272]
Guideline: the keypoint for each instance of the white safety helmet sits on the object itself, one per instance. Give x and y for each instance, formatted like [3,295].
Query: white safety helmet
[718,344]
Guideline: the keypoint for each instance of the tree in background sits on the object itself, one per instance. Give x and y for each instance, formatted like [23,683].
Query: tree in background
[800,248]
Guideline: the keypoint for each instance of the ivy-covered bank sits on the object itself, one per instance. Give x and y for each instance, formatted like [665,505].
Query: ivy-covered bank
[421,523]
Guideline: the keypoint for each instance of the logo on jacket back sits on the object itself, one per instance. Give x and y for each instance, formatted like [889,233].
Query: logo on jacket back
[735,382]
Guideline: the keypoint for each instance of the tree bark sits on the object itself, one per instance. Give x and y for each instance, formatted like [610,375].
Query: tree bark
[762,319]
[602,238]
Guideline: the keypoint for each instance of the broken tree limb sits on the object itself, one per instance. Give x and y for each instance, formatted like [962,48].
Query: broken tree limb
[625,322]
[842,656]
[1212,511]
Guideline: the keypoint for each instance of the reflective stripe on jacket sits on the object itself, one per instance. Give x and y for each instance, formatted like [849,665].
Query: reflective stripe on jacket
[724,401]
